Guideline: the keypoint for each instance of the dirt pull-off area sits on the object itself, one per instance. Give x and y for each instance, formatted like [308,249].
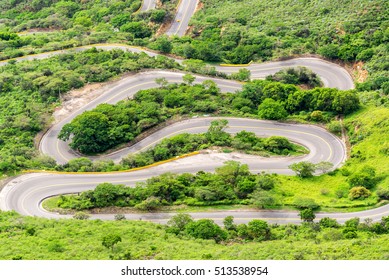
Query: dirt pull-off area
[77,98]
[359,72]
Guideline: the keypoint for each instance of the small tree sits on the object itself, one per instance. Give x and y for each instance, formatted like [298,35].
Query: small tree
[163,44]
[366,177]
[327,222]
[205,229]
[303,169]
[262,199]
[271,110]
[110,240]
[335,127]
[242,75]
[81,216]
[152,203]
[359,193]
[305,203]
[178,222]
[161,82]
[120,217]
[258,230]
[188,79]
[324,166]
[307,215]
[316,116]
[216,134]
[229,223]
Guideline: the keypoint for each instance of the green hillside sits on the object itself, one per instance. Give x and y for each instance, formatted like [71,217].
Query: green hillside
[240,31]
[34,238]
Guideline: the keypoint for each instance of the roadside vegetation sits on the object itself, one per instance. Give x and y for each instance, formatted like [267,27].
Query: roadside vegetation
[214,138]
[231,184]
[362,181]
[48,239]
[110,125]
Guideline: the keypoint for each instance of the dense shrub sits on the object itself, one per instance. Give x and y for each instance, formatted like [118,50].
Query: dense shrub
[359,193]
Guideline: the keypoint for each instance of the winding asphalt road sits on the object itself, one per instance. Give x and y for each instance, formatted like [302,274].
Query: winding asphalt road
[25,193]
[148,5]
[185,10]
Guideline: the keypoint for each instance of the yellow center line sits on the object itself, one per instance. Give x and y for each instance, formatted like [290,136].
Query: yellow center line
[113,97]
[181,20]
[243,127]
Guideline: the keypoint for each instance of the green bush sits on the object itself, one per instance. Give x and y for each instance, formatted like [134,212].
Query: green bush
[359,193]
[205,229]
[366,177]
[150,204]
[271,110]
[307,215]
[328,223]
[305,203]
[303,169]
[335,127]
[383,192]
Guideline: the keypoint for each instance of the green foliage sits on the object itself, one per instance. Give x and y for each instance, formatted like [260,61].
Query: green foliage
[205,229]
[122,122]
[81,216]
[262,199]
[366,177]
[383,192]
[230,182]
[324,166]
[359,193]
[258,230]
[305,203]
[31,90]
[216,133]
[149,204]
[229,224]
[179,222]
[65,24]
[74,240]
[242,75]
[264,30]
[163,44]
[303,169]
[335,127]
[307,215]
[137,29]
[297,76]
[110,240]
[328,223]
[272,110]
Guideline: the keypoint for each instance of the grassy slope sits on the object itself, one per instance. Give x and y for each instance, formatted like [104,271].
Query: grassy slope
[74,239]
[373,124]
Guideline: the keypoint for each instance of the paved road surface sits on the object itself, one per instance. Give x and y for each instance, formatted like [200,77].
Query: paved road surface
[184,13]
[148,5]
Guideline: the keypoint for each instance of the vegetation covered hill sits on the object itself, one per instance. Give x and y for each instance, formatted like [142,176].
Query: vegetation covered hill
[231,31]
[35,238]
